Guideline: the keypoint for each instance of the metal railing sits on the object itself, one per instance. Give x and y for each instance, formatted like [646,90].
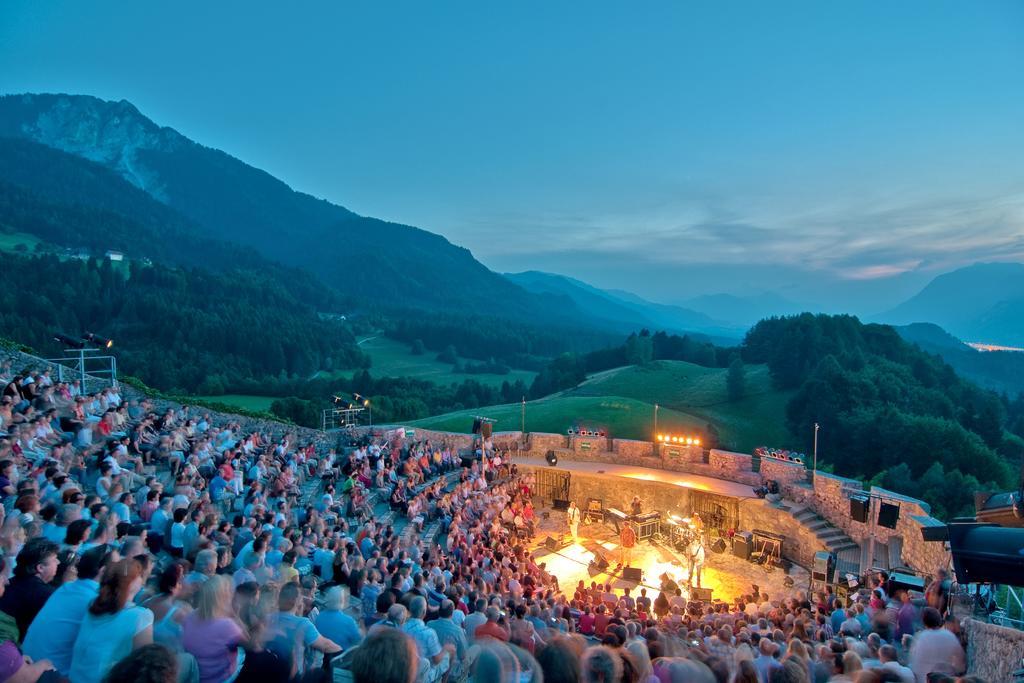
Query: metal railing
[93,372]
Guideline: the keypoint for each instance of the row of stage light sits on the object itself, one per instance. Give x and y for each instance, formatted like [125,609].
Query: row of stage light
[681,440]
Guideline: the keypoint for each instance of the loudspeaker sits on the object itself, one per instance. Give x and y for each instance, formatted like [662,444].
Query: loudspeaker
[551,544]
[486,429]
[551,458]
[633,574]
[476,425]
[599,562]
[888,515]
[859,509]
[742,546]
[824,565]
[702,594]
[718,547]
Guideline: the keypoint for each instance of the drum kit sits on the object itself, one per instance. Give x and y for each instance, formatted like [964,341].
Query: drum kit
[684,530]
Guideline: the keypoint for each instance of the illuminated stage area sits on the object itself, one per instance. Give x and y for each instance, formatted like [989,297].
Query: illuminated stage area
[729,577]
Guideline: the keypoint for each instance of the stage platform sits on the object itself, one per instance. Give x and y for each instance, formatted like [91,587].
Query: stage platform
[729,577]
[694,482]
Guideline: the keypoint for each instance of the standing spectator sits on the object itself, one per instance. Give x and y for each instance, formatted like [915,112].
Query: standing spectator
[935,650]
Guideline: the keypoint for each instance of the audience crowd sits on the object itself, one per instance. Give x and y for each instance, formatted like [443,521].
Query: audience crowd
[144,545]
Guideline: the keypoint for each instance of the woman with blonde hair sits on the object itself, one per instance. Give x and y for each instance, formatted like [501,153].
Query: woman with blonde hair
[113,626]
[212,633]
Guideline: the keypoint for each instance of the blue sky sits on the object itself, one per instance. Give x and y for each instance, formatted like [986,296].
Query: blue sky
[840,153]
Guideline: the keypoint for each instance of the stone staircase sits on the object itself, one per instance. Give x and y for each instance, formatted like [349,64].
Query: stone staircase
[846,550]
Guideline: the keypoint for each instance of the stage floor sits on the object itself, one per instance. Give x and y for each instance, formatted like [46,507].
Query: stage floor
[728,576]
[683,479]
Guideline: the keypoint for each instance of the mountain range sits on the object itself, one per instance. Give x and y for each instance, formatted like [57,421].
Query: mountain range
[626,309]
[389,264]
[201,204]
[983,302]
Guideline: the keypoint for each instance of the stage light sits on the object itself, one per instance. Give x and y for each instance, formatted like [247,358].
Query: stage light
[69,342]
[696,442]
[93,338]
[689,441]
[661,437]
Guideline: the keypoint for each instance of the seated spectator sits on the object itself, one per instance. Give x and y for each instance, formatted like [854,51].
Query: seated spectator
[112,626]
[29,590]
[386,656]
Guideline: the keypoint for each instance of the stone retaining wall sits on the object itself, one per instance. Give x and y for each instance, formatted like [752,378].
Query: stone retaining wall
[785,472]
[993,652]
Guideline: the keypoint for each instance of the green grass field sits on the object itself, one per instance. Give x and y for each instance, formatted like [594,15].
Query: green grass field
[247,401]
[623,417]
[9,241]
[623,400]
[394,359]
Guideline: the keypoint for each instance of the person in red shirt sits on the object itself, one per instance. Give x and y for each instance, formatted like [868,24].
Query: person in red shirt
[601,620]
[490,628]
[627,539]
[586,624]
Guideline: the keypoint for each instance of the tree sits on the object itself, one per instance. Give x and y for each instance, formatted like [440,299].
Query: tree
[417,347]
[639,348]
[449,355]
[736,380]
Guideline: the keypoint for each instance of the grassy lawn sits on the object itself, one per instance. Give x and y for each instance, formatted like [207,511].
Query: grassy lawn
[246,401]
[623,400]
[758,419]
[394,359]
[624,417]
[10,240]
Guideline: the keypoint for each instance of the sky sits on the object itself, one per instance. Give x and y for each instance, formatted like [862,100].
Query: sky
[840,154]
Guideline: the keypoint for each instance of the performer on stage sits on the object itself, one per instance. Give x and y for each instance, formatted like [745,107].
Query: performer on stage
[696,557]
[635,508]
[627,539]
[573,517]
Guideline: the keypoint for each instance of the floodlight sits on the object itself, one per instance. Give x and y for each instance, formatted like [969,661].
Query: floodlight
[96,339]
[69,342]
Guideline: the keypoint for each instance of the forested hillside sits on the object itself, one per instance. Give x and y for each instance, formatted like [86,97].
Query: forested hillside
[180,330]
[889,411]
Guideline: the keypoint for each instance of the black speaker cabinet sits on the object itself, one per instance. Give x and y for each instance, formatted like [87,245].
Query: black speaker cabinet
[743,545]
[859,509]
[702,594]
[633,574]
[718,547]
[888,515]
[560,504]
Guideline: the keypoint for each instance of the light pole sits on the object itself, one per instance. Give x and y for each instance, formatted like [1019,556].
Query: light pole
[655,421]
[814,473]
[522,419]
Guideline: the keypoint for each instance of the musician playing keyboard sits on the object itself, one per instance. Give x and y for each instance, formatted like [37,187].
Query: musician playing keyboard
[635,507]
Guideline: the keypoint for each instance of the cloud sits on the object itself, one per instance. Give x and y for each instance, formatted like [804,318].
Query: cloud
[853,242]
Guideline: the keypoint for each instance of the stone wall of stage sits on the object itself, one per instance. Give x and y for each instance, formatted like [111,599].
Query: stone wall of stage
[667,498]
[826,494]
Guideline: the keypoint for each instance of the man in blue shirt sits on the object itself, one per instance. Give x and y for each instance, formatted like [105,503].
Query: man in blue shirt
[294,634]
[54,630]
[449,633]
[333,623]
[427,643]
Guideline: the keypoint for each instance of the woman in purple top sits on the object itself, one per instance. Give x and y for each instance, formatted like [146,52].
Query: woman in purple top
[211,633]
